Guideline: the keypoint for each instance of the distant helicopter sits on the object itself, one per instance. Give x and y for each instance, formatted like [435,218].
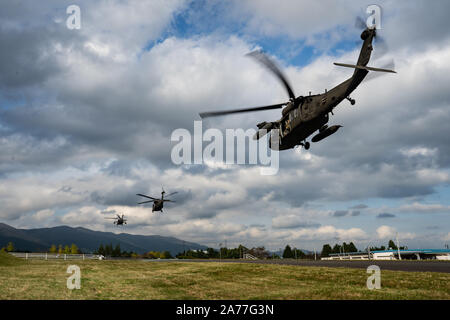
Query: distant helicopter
[158,204]
[119,220]
[304,115]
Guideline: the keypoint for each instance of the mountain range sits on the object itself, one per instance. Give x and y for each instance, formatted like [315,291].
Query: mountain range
[40,240]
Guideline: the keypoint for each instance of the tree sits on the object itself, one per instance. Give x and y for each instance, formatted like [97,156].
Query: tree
[299,254]
[108,250]
[60,249]
[101,250]
[66,249]
[326,250]
[116,251]
[212,253]
[53,249]
[10,247]
[352,248]
[337,248]
[287,253]
[382,248]
[154,254]
[74,249]
[392,245]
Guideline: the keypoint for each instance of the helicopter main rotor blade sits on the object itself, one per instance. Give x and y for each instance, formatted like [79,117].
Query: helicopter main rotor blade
[146,201]
[269,64]
[171,193]
[225,112]
[111,218]
[143,195]
[168,200]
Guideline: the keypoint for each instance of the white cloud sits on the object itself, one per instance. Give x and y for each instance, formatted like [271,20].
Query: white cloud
[424,207]
[387,232]
[446,237]
[329,233]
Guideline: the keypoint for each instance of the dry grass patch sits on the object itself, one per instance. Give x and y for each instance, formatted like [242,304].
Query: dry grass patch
[203,280]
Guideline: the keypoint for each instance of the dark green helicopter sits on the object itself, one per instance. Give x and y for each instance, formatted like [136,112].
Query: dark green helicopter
[158,204]
[304,115]
[119,220]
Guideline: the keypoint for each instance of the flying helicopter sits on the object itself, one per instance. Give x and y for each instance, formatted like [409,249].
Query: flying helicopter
[158,204]
[304,115]
[119,220]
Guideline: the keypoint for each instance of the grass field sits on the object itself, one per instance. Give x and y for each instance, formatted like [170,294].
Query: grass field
[40,279]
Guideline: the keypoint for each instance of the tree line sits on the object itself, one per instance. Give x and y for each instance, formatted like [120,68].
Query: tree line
[65,249]
[211,253]
[9,247]
[240,251]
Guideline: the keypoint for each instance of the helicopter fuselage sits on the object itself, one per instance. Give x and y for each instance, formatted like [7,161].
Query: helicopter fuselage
[300,120]
[157,205]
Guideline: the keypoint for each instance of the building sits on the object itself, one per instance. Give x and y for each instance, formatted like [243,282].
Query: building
[347,256]
[410,254]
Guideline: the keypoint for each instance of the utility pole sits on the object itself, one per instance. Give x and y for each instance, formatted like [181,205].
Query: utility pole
[398,248]
[315,256]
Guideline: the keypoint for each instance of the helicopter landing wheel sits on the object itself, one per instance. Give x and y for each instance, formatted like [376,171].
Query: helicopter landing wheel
[306,145]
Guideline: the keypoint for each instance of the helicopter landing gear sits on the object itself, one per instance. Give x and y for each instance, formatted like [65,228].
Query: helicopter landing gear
[352,101]
[305,145]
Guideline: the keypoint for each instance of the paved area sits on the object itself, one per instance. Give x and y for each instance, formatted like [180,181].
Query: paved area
[404,265]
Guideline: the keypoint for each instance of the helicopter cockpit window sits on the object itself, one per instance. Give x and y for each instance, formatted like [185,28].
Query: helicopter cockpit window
[295,113]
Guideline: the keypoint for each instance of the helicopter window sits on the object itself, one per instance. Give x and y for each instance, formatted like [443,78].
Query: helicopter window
[295,113]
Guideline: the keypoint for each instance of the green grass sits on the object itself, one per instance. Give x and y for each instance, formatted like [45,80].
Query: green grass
[9,260]
[39,279]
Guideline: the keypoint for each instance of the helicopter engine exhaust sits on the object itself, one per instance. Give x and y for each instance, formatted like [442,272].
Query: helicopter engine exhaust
[264,128]
[325,133]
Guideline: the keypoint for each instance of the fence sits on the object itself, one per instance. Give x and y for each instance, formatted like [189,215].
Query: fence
[55,256]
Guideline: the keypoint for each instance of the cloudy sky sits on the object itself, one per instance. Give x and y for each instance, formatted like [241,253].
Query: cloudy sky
[86,117]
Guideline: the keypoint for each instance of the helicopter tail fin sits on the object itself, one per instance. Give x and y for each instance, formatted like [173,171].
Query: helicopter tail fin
[363,67]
